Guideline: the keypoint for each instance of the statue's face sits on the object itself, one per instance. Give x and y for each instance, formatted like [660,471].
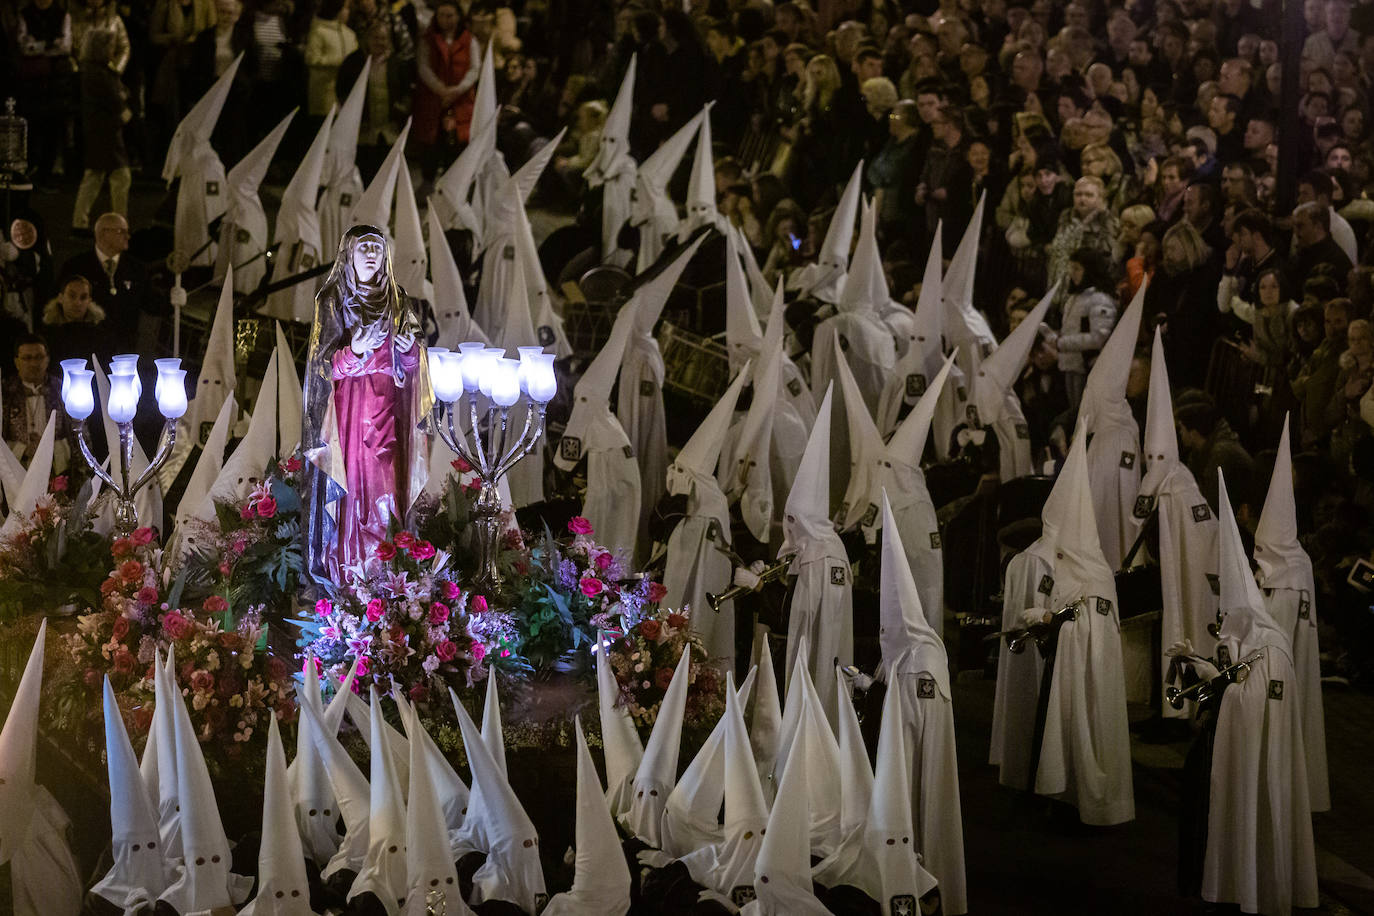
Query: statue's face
[367,259]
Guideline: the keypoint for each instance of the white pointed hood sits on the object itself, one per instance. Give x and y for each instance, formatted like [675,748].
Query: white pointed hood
[343,135]
[139,874]
[619,740]
[316,809]
[914,368]
[1104,392]
[384,869]
[865,287]
[512,871]
[493,732]
[743,334]
[247,174]
[429,858]
[1246,624]
[999,370]
[782,872]
[806,732]
[1161,436]
[350,789]
[159,764]
[283,889]
[36,478]
[658,769]
[1282,561]
[410,261]
[826,277]
[591,423]
[456,202]
[195,499]
[255,450]
[296,219]
[964,325]
[374,207]
[765,727]
[909,644]
[613,155]
[806,519]
[701,185]
[449,793]
[653,294]
[290,398]
[601,878]
[484,103]
[450,303]
[695,464]
[908,443]
[651,199]
[547,325]
[215,383]
[856,774]
[751,476]
[199,122]
[1080,569]
[866,448]
[18,750]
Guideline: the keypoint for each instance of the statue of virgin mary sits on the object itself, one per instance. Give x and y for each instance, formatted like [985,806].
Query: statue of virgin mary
[367,401]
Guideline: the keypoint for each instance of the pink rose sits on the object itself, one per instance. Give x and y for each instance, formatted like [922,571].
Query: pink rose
[58,484]
[225,567]
[386,550]
[142,536]
[120,628]
[404,540]
[175,626]
[479,652]
[422,551]
[131,570]
[375,608]
[446,650]
[319,665]
[246,512]
[267,507]
[215,604]
[579,525]
[657,592]
[146,595]
[479,604]
[323,608]
[591,587]
[452,592]
[202,680]
[604,561]
[364,665]
[419,693]
[438,613]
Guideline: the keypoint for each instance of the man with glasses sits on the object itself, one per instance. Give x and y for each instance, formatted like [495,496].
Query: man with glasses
[119,284]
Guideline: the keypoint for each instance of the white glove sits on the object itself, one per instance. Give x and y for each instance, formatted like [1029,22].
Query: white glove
[708,895]
[1033,616]
[857,678]
[178,297]
[9,252]
[654,858]
[1181,649]
[745,578]
[1204,669]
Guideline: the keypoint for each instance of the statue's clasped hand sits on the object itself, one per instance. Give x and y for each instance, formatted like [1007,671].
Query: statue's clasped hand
[367,338]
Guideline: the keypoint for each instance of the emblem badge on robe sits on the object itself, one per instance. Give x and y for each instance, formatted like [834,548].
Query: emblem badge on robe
[903,905]
[1128,460]
[212,189]
[936,543]
[1022,431]
[629,451]
[1144,505]
[794,387]
[1202,512]
[307,260]
[915,385]
[345,200]
[1304,608]
[508,253]
[713,530]
[925,688]
[870,516]
[545,335]
[1104,607]
[1224,656]
[742,894]
[844,342]
[1276,690]
[1046,584]
[972,413]
[646,388]
[837,575]
[570,448]
[243,237]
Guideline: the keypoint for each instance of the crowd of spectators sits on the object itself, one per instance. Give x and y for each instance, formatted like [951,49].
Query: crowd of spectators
[1113,145]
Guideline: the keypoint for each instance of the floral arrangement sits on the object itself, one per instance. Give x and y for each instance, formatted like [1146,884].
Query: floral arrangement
[230,686]
[52,558]
[644,651]
[407,621]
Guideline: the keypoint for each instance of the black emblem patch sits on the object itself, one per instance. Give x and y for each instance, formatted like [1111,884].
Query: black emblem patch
[742,894]
[837,576]
[1104,606]
[1202,512]
[541,900]
[903,905]
[1304,608]
[1144,505]
[1224,656]
[870,515]
[508,253]
[844,342]
[1276,690]
[971,411]
[794,388]
[915,385]
[1022,431]
[961,393]
[546,335]
[985,349]
[647,388]
[570,448]
[1128,460]
[925,687]
[345,200]
[936,542]
[307,260]
[212,189]
[1214,583]
[205,428]
[243,236]
[629,451]
[1046,584]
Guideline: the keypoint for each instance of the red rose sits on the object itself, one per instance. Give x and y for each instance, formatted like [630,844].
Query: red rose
[677,621]
[146,595]
[657,592]
[267,507]
[323,608]
[650,629]
[419,693]
[375,608]
[386,550]
[121,548]
[446,650]
[404,540]
[142,536]
[131,570]
[663,677]
[108,586]
[579,525]
[452,592]
[120,628]
[175,626]
[225,567]
[604,561]
[479,604]
[246,513]
[58,484]
[460,464]
[591,587]
[290,465]
[215,604]
[277,669]
[230,641]
[438,613]
[479,652]
[202,679]
[422,551]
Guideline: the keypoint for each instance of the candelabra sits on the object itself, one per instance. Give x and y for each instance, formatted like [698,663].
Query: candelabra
[121,404]
[485,384]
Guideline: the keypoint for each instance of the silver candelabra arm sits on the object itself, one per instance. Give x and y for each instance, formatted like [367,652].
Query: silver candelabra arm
[165,444]
[525,444]
[83,439]
[481,462]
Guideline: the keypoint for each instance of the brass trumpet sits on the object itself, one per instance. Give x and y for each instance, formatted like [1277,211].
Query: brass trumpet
[1204,691]
[1040,633]
[776,571]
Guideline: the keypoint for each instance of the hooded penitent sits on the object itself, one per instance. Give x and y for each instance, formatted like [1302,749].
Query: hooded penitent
[411,260]
[1113,465]
[39,472]
[316,809]
[449,795]
[992,401]
[727,866]
[1259,824]
[255,451]
[343,183]
[657,772]
[297,232]
[613,493]
[614,168]
[431,879]
[821,611]
[698,561]
[652,210]
[601,878]
[824,279]
[290,398]
[765,726]
[965,328]
[701,185]
[450,299]
[374,207]
[383,872]
[1187,529]
[1290,595]
[201,196]
[866,448]
[139,874]
[243,235]
[33,827]
[195,499]
[283,888]
[159,764]
[806,731]
[1085,757]
[215,384]
[619,740]
[457,200]
[350,788]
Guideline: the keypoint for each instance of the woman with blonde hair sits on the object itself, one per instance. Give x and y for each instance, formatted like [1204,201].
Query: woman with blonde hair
[1134,219]
[820,158]
[1181,298]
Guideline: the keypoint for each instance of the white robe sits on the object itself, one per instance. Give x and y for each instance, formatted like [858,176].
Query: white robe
[1259,827]
[336,209]
[43,873]
[1114,472]
[919,528]
[1295,611]
[1028,583]
[1013,441]
[639,406]
[613,485]
[867,346]
[822,611]
[1085,758]
[697,564]
[202,196]
[615,210]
